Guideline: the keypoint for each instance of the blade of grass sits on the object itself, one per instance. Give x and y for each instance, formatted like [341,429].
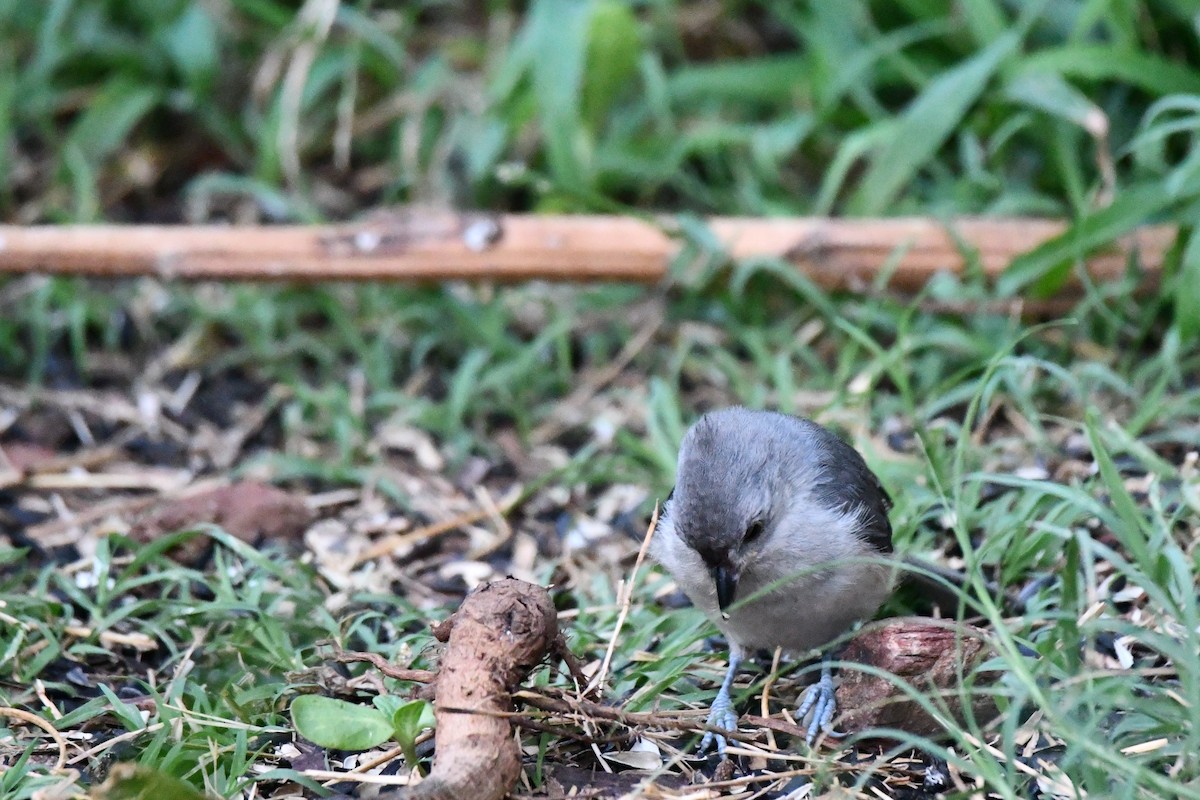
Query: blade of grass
[1099,62]
[926,125]
[1134,206]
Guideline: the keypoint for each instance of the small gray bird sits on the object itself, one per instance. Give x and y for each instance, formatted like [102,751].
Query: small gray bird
[778,531]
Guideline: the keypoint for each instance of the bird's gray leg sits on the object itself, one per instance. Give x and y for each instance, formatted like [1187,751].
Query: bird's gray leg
[819,699]
[721,714]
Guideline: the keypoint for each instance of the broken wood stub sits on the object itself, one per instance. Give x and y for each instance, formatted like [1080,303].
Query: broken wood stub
[930,655]
[250,510]
[499,633]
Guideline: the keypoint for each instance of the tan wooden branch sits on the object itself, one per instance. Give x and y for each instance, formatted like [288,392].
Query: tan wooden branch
[413,245]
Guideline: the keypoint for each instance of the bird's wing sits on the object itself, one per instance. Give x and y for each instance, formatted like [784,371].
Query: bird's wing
[849,484]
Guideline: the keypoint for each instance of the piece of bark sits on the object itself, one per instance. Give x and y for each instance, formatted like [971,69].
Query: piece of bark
[498,634]
[928,654]
[26,456]
[249,510]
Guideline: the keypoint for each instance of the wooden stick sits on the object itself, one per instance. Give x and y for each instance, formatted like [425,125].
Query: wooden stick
[414,245]
[625,598]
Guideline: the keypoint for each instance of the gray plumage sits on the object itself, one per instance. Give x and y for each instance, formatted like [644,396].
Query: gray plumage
[823,515]
[789,519]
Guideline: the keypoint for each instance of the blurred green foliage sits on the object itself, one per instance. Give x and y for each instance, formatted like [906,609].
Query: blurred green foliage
[177,110]
[726,107]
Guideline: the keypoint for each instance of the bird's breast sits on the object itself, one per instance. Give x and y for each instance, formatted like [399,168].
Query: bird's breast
[777,609]
[805,612]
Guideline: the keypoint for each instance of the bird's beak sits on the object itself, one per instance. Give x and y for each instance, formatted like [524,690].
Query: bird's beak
[726,580]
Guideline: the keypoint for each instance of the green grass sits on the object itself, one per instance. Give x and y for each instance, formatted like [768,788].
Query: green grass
[181,112]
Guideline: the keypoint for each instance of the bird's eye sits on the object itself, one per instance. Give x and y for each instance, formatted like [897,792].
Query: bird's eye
[754,531]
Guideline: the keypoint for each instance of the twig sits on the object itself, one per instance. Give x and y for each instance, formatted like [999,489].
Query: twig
[525,721]
[999,755]
[626,599]
[504,531]
[776,725]
[330,776]
[415,245]
[573,706]
[39,688]
[138,641]
[382,758]
[768,777]
[637,719]
[51,731]
[383,665]
[85,459]
[765,704]
[573,666]
[389,544]
[106,744]
[153,480]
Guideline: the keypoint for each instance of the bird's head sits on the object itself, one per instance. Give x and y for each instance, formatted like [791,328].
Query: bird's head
[726,501]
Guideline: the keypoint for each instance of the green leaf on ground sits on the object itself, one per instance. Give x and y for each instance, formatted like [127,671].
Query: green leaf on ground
[339,725]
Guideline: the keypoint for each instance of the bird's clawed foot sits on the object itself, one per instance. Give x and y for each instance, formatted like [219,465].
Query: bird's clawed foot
[820,700]
[720,715]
